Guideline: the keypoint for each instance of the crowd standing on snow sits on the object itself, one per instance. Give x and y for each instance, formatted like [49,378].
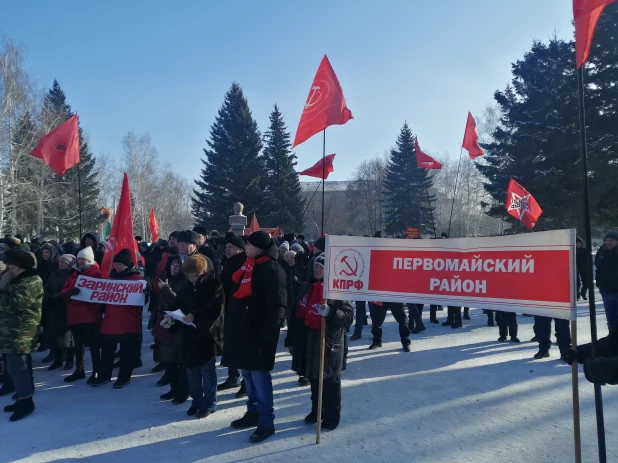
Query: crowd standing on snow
[237,293]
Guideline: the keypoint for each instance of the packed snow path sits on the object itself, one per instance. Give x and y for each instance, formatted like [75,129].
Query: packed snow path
[459,396]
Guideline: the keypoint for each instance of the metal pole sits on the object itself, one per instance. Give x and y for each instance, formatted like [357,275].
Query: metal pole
[454,193]
[79,198]
[321,379]
[575,384]
[598,398]
[323,174]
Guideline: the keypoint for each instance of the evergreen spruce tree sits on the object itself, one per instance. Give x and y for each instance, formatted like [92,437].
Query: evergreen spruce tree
[75,180]
[233,168]
[284,201]
[409,201]
[537,142]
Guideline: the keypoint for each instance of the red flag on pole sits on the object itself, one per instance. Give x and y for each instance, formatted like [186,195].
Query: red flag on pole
[154,226]
[586,14]
[325,104]
[254,227]
[59,149]
[121,237]
[522,205]
[424,160]
[317,170]
[471,139]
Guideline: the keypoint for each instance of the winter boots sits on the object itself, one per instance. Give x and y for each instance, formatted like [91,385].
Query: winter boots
[79,373]
[250,420]
[57,352]
[229,383]
[466,315]
[21,408]
[457,317]
[261,434]
[242,392]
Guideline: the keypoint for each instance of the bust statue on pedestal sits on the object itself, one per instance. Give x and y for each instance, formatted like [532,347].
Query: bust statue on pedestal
[238,221]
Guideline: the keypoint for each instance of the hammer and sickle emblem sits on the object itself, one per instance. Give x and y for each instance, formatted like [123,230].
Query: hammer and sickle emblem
[351,271]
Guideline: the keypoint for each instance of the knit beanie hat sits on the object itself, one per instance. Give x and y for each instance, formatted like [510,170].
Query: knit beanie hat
[260,239]
[319,260]
[297,248]
[611,234]
[289,255]
[194,265]
[285,245]
[320,243]
[87,254]
[124,257]
[69,259]
[236,241]
[20,258]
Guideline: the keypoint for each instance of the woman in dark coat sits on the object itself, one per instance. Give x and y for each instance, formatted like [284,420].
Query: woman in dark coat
[304,339]
[201,344]
[47,263]
[168,332]
[57,332]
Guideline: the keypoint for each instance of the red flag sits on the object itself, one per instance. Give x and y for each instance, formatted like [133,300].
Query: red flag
[522,205]
[154,226]
[424,160]
[325,104]
[121,237]
[59,149]
[254,227]
[586,14]
[317,170]
[471,139]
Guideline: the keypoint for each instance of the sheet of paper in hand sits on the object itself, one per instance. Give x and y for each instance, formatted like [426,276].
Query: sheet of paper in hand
[178,315]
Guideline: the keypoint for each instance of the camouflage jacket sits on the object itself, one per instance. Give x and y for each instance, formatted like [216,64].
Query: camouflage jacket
[20,313]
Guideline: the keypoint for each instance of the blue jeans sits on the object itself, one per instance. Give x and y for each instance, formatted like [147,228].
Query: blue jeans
[610,301]
[259,386]
[361,316]
[203,385]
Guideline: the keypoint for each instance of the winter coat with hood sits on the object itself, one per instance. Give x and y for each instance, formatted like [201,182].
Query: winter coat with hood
[254,322]
[205,301]
[606,262]
[79,312]
[56,328]
[20,313]
[305,341]
[123,319]
[45,267]
[99,249]
[291,283]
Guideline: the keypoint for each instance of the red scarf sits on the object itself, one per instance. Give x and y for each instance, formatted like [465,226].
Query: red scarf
[243,276]
[307,307]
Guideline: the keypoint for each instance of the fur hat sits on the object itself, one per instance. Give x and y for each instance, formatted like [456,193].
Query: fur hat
[611,234]
[320,243]
[195,264]
[87,254]
[11,241]
[20,258]
[289,255]
[69,259]
[319,260]
[236,241]
[124,257]
[2,266]
[297,248]
[200,230]
[187,236]
[261,240]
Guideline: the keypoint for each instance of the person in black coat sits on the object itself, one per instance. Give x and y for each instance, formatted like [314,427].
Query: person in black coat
[93,239]
[581,254]
[606,262]
[206,250]
[202,343]
[254,315]
[304,340]
[235,257]
[603,369]
[47,262]
[168,333]
[57,333]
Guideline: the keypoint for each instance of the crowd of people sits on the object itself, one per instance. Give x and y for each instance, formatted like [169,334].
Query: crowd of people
[236,294]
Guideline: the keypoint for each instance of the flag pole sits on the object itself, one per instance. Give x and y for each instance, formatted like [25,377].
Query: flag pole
[454,193]
[79,198]
[598,398]
[433,223]
[575,386]
[323,174]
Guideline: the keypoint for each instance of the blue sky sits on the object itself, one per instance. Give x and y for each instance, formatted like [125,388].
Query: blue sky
[164,67]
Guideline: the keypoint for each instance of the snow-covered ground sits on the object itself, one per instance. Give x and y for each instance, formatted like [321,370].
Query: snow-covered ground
[459,396]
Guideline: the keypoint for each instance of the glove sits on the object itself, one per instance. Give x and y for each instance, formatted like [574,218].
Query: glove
[74,291]
[323,310]
[571,356]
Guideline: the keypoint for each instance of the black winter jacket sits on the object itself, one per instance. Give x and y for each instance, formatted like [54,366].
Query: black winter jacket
[606,262]
[305,341]
[253,323]
[212,255]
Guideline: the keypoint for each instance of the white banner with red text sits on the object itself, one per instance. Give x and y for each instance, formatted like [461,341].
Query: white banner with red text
[532,273]
[120,292]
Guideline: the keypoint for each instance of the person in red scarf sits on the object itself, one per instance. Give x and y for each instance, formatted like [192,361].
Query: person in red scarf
[304,339]
[253,319]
